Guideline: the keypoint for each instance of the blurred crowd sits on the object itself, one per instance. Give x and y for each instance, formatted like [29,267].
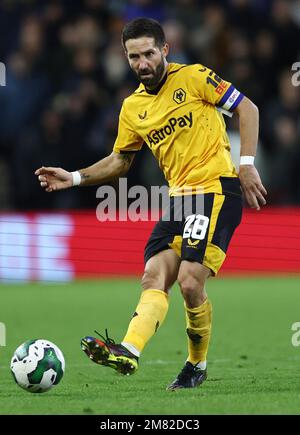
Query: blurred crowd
[66,78]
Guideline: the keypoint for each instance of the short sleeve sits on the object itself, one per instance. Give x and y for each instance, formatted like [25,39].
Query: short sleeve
[127,139]
[214,90]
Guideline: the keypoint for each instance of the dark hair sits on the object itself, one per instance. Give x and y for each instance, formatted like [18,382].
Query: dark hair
[144,27]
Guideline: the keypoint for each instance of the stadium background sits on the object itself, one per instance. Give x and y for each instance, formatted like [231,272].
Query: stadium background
[66,77]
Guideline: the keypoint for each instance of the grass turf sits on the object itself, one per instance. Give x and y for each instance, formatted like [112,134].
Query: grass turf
[253,367]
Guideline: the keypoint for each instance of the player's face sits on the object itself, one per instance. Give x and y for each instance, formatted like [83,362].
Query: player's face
[147,60]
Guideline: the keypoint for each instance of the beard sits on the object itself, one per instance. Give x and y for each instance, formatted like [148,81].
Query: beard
[155,76]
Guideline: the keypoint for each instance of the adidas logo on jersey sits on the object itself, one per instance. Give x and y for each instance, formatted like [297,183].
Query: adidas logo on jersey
[155,136]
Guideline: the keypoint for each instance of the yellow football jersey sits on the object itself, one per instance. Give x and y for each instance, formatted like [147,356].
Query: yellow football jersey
[181,123]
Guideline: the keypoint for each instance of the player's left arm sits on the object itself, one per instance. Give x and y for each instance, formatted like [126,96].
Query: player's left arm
[252,186]
[211,88]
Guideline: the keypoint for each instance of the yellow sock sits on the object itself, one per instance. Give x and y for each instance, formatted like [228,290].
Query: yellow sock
[149,315]
[198,322]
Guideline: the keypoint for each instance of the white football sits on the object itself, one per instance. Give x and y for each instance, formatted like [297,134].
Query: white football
[37,365]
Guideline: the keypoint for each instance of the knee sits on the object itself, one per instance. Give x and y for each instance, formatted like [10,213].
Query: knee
[188,286]
[151,279]
[192,290]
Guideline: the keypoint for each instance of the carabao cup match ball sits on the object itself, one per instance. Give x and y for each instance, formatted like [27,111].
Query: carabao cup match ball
[37,365]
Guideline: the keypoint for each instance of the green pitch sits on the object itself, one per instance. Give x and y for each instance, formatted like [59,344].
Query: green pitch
[253,366]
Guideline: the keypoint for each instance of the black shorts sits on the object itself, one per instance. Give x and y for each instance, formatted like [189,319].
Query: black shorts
[199,227]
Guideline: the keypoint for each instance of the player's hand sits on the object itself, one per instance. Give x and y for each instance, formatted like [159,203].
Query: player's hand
[252,186]
[54,178]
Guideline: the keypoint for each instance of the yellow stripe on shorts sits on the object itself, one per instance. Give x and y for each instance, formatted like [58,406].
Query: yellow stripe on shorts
[214,256]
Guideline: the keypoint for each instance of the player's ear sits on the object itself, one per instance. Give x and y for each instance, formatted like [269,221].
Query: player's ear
[165,50]
[125,49]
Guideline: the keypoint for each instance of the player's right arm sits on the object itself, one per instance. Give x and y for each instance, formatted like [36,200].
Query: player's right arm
[127,143]
[113,166]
